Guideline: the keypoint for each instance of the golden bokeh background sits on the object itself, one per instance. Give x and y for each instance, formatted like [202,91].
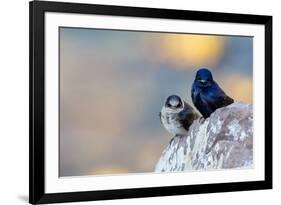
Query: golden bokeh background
[114,83]
[190,51]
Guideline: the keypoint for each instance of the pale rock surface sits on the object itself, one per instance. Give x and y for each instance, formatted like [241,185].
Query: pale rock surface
[223,141]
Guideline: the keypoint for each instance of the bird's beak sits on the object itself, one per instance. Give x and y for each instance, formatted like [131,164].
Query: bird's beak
[202,81]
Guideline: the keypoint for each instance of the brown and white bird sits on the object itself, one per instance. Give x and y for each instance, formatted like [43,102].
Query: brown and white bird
[177,116]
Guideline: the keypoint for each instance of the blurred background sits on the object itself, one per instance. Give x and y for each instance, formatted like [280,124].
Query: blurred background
[114,83]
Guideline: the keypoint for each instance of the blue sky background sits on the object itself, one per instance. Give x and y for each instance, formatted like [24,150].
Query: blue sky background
[114,83]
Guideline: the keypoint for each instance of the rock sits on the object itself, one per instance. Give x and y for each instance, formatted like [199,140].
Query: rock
[222,141]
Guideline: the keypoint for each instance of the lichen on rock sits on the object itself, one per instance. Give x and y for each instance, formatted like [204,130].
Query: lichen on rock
[222,141]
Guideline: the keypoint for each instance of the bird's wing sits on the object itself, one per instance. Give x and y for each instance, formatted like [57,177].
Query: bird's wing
[187,116]
[218,98]
[195,95]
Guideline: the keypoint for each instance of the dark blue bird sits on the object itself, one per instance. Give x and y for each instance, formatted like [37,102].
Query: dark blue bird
[206,94]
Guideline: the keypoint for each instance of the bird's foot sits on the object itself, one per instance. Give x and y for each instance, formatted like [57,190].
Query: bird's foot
[170,143]
[201,120]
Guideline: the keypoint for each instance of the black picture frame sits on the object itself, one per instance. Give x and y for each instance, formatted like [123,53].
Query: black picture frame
[37,194]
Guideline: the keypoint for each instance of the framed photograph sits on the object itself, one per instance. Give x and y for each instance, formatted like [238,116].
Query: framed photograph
[130,102]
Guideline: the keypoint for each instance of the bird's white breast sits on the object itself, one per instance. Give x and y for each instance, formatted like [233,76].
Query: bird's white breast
[171,122]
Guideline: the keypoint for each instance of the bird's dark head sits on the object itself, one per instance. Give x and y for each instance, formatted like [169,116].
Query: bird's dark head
[174,102]
[204,77]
